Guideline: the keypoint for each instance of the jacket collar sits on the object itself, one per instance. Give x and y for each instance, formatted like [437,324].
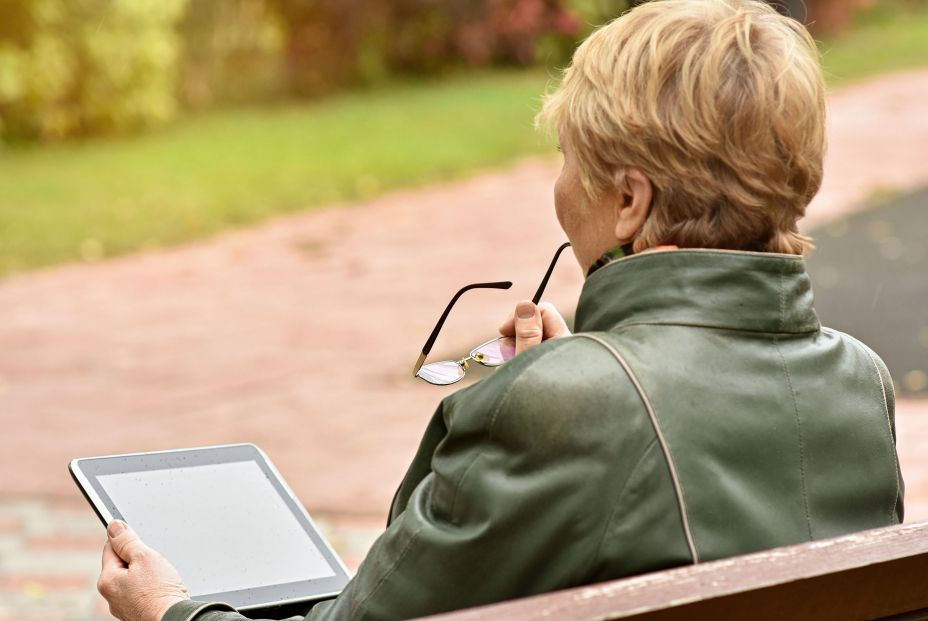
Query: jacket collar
[752,291]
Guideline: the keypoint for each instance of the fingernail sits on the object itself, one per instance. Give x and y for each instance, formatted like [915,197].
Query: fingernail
[115,528]
[525,310]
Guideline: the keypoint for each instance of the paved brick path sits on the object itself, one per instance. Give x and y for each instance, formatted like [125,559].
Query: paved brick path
[300,335]
[50,557]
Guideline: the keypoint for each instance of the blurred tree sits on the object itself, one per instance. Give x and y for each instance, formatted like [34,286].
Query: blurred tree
[231,52]
[505,31]
[829,16]
[321,42]
[822,16]
[337,42]
[595,13]
[792,8]
[79,67]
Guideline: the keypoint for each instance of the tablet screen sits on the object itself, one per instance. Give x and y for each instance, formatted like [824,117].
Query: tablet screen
[223,526]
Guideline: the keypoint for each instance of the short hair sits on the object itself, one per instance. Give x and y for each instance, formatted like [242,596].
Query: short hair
[720,102]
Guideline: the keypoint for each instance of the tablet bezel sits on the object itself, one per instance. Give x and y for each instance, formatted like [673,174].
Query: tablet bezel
[86,471]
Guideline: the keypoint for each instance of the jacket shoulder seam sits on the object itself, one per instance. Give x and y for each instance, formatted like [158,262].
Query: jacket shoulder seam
[802,465]
[668,457]
[702,326]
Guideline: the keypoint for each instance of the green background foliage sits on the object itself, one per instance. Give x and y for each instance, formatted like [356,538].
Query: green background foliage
[86,67]
[87,200]
[74,68]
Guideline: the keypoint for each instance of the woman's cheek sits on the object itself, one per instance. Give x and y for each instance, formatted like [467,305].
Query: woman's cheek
[562,201]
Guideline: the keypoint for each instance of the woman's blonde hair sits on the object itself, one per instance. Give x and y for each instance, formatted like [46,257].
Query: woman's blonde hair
[720,102]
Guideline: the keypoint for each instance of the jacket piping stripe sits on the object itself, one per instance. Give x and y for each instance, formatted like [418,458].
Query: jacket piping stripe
[675,479]
[889,422]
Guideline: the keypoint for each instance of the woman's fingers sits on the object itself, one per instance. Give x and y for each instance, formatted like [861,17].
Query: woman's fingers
[124,542]
[138,583]
[537,323]
[110,559]
[509,326]
[554,325]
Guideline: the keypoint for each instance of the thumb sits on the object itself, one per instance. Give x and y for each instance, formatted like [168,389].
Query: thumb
[126,544]
[528,326]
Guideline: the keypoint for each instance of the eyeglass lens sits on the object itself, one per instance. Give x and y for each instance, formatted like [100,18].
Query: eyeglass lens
[496,352]
[441,373]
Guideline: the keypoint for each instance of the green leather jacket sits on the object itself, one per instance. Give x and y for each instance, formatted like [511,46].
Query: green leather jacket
[701,411]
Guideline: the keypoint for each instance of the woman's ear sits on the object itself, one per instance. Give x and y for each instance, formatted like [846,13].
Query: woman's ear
[634,205]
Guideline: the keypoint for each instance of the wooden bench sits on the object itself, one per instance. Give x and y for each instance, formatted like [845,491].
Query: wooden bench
[877,574]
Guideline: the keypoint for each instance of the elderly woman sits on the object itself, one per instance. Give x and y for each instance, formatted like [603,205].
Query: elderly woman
[700,411]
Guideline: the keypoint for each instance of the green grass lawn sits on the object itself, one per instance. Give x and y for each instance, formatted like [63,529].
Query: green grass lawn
[232,168]
[885,40]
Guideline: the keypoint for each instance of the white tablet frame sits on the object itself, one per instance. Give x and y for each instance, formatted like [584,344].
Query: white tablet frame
[248,599]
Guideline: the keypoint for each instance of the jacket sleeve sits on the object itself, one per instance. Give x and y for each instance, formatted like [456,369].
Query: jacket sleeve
[889,393]
[510,508]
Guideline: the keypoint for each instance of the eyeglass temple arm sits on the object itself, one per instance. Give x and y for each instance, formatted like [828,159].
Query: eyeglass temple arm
[544,281]
[441,321]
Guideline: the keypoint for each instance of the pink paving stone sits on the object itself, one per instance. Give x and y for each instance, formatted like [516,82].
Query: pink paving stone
[66,542]
[10,525]
[877,142]
[44,583]
[912,440]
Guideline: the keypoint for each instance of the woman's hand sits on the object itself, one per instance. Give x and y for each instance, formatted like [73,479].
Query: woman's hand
[531,324]
[138,583]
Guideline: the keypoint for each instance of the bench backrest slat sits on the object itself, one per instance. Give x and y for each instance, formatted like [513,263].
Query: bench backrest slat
[877,574]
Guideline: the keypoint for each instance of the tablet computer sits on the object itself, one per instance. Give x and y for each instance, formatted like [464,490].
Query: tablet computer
[223,516]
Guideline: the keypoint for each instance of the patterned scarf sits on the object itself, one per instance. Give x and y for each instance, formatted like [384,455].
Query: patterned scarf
[616,253]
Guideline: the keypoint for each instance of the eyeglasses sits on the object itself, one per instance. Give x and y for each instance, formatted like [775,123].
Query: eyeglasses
[493,353]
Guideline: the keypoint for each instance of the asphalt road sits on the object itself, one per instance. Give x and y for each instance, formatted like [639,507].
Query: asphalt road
[870,278]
